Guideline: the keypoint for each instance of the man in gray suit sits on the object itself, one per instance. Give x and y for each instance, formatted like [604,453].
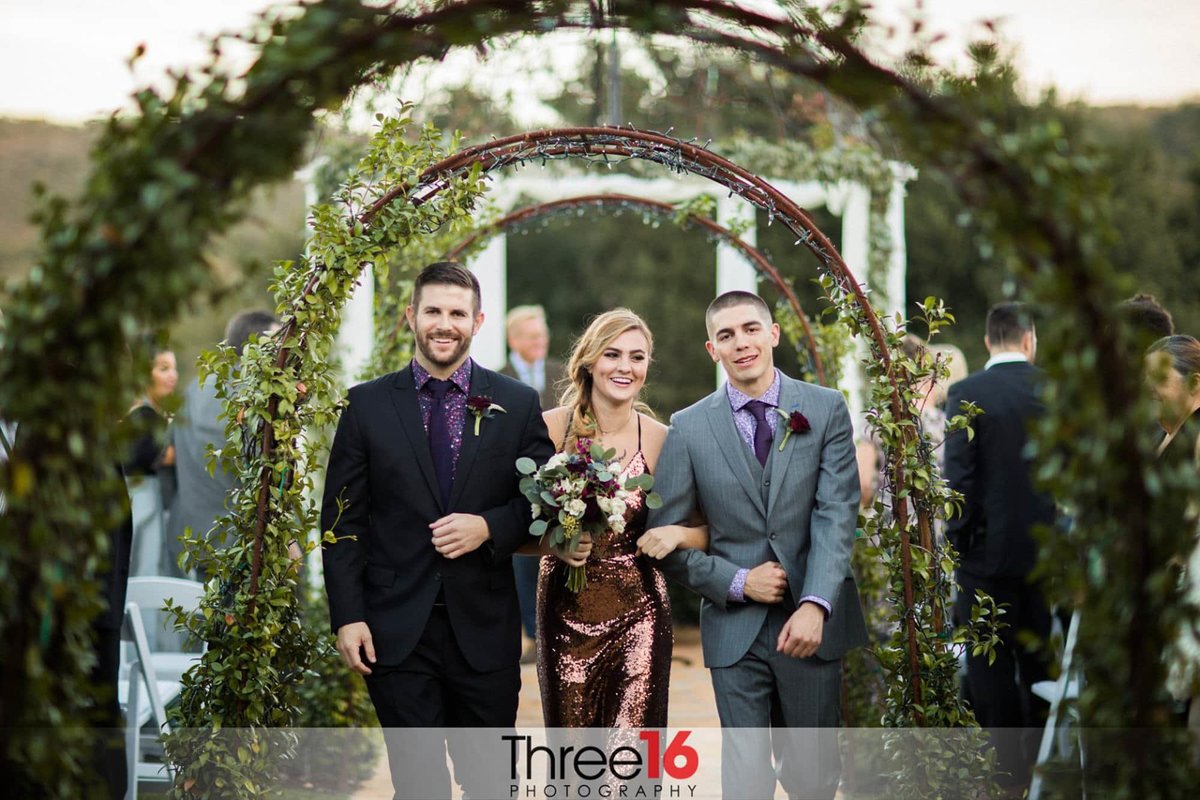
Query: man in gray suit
[769,462]
[199,496]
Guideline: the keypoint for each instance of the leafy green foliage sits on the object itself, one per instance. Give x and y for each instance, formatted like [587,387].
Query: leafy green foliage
[259,651]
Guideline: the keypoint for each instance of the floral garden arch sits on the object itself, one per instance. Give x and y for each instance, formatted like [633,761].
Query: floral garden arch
[169,176]
[853,181]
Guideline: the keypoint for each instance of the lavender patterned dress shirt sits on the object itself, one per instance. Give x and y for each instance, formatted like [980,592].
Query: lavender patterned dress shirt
[744,421]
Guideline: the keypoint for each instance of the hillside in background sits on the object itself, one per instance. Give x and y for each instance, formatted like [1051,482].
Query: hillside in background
[1154,162]
[239,262]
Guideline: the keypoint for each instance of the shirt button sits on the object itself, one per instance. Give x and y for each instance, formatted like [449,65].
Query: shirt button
[771,537]
[767,483]
[437,576]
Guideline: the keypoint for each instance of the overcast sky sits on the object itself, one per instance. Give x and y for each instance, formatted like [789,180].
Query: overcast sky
[66,59]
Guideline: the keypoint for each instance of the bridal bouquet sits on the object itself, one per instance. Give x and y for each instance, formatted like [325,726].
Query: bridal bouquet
[577,493]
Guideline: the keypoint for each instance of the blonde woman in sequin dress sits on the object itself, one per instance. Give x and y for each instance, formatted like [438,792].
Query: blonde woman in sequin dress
[604,654]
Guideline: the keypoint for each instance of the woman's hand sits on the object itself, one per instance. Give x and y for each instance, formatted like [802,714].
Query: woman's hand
[575,553]
[660,542]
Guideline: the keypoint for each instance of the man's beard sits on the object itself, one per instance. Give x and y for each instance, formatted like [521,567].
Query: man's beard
[464,344]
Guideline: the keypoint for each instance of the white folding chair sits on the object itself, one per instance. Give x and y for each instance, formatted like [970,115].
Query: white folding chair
[144,697]
[1060,736]
[154,664]
[166,645]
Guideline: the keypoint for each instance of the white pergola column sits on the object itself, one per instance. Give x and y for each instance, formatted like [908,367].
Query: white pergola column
[856,224]
[897,293]
[356,331]
[356,334]
[490,266]
[734,272]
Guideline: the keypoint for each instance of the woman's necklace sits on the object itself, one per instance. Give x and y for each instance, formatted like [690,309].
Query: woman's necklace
[603,433]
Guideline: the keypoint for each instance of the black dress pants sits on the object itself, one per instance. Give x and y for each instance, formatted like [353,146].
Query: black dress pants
[1001,691]
[426,701]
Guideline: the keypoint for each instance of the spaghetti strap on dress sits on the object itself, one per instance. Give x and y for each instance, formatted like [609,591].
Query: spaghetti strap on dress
[605,653]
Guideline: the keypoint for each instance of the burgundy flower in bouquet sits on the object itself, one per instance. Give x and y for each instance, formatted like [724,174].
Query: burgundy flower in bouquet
[579,492]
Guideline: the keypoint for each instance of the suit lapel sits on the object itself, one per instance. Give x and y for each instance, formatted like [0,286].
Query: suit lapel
[404,399]
[789,400]
[729,442]
[481,384]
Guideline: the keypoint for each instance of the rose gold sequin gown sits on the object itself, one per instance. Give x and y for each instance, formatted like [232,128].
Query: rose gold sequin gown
[605,653]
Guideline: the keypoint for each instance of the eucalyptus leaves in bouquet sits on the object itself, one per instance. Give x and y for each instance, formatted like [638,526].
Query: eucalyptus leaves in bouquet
[580,492]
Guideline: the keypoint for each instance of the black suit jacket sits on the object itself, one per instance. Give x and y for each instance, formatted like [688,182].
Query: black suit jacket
[381,474]
[993,533]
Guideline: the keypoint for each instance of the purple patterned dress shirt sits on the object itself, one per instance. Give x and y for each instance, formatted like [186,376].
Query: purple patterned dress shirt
[456,402]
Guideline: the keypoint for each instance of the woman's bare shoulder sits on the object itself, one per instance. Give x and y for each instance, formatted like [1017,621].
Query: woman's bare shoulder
[652,427]
[557,420]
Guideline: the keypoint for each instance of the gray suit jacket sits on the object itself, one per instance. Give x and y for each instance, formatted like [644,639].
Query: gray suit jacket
[801,511]
[200,498]
[555,371]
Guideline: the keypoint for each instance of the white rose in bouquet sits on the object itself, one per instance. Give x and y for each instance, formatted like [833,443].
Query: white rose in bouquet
[575,507]
[617,523]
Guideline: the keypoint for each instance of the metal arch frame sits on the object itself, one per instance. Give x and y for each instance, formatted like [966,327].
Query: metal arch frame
[612,145]
[753,255]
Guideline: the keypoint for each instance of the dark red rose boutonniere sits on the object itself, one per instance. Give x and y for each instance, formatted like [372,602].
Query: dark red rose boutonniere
[482,407]
[796,423]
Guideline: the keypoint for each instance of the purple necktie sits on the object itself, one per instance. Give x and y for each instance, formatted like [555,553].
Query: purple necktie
[439,438]
[762,431]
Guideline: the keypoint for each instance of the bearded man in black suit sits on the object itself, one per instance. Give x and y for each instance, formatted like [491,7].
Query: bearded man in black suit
[422,493]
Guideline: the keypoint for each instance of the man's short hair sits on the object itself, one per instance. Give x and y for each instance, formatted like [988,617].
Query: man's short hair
[244,324]
[736,298]
[1007,323]
[446,273]
[1146,316]
[519,314]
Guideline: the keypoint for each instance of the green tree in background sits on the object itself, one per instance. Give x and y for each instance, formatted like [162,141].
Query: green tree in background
[578,267]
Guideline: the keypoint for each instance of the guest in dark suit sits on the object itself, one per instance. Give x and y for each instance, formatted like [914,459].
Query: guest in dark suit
[994,532]
[528,361]
[422,495]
